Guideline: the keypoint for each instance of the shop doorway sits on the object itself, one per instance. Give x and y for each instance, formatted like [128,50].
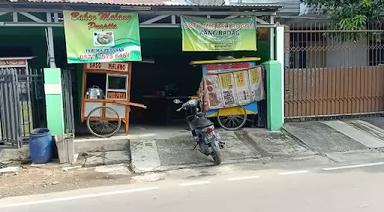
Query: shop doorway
[166,74]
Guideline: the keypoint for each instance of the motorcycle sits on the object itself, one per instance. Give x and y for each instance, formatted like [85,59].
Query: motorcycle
[202,129]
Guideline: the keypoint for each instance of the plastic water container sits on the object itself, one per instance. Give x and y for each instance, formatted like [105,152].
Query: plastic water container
[40,145]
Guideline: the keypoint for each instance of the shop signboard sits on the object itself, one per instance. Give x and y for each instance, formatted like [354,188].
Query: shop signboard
[102,37]
[124,67]
[208,34]
[11,63]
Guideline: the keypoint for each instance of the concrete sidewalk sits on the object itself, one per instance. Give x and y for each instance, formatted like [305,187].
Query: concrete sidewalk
[245,145]
[165,148]
[342,140]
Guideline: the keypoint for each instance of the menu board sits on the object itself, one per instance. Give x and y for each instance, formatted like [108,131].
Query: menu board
[228,89]
[256,83]
[213,94]
[242,87]
[228,85]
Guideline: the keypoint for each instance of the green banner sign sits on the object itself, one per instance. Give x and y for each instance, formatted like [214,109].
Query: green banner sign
[102,37]
[207,34]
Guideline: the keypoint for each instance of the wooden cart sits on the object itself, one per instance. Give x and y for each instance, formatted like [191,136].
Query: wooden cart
[114,79]
[226,76]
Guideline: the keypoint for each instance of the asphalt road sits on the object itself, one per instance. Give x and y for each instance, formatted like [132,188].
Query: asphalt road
[348,188]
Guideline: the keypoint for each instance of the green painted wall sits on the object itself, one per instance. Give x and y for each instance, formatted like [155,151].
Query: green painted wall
[54,101]
[274,96]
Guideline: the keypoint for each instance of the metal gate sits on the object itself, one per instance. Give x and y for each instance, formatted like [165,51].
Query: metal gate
[333,72]
[69,122]
[22,104]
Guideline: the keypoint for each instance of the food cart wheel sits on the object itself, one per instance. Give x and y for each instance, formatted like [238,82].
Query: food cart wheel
[103,121]
[232,122]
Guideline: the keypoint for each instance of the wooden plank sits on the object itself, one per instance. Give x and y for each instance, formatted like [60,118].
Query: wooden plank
[317,91]
[305,93]
[367,83]
[321,92]
[300,91]
[343,80]
[354,92]
[375,89]
[364,80]
[295,95]
[291,92]
[379,85]
[350,89]
[358,88]
[309,88]
[370,90]
[337,92]
[332,80]
[326,92]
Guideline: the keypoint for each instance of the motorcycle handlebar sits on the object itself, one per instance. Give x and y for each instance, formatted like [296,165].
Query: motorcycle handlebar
[186,104]
[182,107]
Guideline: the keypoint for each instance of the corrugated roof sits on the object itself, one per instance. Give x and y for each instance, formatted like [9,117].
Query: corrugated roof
[149,3]
[117,2]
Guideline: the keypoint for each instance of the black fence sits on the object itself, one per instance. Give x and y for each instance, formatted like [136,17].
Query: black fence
[69,122]
[22,104]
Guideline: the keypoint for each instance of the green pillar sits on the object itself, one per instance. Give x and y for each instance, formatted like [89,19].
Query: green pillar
[275,101]
[54,100]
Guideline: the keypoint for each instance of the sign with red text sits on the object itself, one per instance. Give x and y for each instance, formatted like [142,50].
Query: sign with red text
[123,67]
[102,37]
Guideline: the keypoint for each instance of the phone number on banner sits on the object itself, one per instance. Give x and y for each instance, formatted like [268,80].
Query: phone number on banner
[120,55]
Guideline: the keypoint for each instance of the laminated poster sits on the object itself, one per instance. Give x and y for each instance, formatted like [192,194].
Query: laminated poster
[256,84]
[242,87]
[213,92]
[228,89]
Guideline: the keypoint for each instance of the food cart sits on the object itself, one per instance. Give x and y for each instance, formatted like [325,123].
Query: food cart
[230,89]
[106,97]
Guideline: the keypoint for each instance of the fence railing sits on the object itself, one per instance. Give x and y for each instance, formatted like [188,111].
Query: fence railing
[22,104]
[69,123]
[10,127]
[330,72]
[334,91]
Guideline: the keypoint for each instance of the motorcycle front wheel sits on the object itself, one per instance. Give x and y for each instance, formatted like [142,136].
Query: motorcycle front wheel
[216,154]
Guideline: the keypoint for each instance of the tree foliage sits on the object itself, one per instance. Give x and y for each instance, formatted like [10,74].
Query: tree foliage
[350,14]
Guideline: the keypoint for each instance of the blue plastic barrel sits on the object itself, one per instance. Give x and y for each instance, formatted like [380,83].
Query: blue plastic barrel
[40,145]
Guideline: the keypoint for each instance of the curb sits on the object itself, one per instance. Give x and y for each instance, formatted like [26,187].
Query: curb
[200,165]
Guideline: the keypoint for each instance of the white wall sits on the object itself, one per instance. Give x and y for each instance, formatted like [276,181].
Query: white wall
[347,53]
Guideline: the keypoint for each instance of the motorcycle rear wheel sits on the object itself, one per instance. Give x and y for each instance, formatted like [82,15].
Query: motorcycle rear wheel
[216,154]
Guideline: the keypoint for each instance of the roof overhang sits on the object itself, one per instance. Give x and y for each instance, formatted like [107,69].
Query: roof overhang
[44,14]
[157,9]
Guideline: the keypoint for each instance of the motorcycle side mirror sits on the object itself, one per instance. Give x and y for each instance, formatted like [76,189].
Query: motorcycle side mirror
[177,101]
